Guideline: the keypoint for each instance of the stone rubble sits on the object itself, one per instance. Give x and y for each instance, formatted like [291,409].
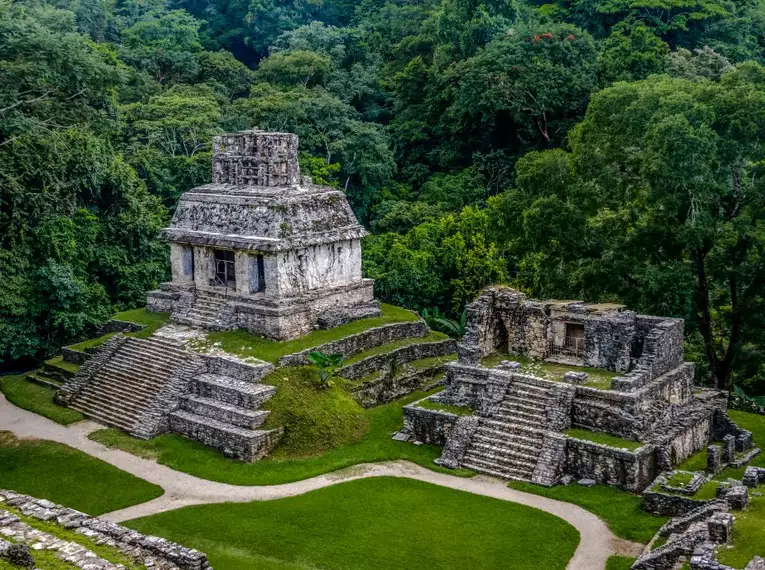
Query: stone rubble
[151,551]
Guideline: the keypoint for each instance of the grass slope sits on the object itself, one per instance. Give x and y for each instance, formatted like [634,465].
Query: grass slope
[373,446]
[35,398]
[619,563]
[53,471]
[245,344]
[621,511]
[372,524]
[153,321]
[748,536]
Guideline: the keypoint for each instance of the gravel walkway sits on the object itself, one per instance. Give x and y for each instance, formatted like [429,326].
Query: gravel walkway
[596,545]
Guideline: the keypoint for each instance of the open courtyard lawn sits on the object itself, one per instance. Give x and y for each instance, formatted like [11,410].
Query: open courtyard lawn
[378,524]
[356,436]
[752,422]
[53,471]
[598,378]
[35,398]
[621,511]
[153,321]
[245,344]
[619,563]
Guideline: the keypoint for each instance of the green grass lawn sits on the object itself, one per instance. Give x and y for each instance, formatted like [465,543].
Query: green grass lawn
[377,524]
[621,511]
[35,398]
[245,344]
[598,378]
[59,362]
[153,321]
[373,446]
[53,471]
[603,438]
[457,410]
[620,563]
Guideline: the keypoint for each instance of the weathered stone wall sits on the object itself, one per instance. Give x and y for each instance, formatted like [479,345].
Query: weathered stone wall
[662,351]
[115,326]
[552,460]
[458,442]
[74,356]
[386,389]
[608,341]
[482,389]
[316,267]
[152,551]
[429,426]
[622,468]
[356,343]
[255,158]
[401,355]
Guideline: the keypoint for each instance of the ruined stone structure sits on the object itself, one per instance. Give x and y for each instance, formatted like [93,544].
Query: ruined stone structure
[518,428]
[263,249]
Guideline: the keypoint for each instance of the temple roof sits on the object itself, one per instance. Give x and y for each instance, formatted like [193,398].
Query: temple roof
[249,206]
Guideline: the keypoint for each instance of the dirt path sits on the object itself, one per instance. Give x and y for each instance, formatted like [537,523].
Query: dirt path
[597,542]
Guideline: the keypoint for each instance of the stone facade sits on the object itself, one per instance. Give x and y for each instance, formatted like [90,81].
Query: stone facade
[262,248]
[151,551]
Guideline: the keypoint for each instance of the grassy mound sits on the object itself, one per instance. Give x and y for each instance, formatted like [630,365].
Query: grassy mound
[35,398]
[375,445]
[315,419]
[372,524]
[53,471]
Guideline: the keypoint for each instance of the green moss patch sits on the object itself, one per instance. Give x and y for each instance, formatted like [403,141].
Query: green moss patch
[62,365]
[53,471]
[597,377]
[456,410]
[245,344]
[35,398]
[620,562]
[375,445]
[622,512]
[679,480]
[603,439]
[372,524]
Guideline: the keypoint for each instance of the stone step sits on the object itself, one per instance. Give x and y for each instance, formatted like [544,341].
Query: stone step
[516,458]
[510,443]
[526,396]
[118,377]
[232,391]
[524,404]
[511,415]
[516,422]
[233,441]
[118,420]
[496,470]
[111,381]
[160,342]
[148,356]
[151,351]
[128,397]
[138,370]
[235,415]
[511,428]
[107,405]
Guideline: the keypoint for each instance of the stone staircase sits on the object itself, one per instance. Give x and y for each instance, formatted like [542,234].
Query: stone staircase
[129,381]
[223,412]
[208,311]
[508,443]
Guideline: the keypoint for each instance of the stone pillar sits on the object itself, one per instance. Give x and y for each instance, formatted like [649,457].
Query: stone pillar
[243,261]
[729,448]
[204,266]
[182,262]
[714,463]
[744,441]
[720,527]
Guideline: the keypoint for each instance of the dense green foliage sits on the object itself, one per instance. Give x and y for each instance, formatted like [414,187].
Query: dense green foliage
[606,150]
[368,524]
[49,470]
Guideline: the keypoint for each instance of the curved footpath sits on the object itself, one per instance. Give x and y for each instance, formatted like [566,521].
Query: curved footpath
[596,543]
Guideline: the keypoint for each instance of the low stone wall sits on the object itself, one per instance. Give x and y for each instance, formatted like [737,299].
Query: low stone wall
[74,356]
[229,366]
[357,343]
[457,444]
[429,426]
[622,468]
[152,551]
[666,505]
[385,389]
[115,326]
[339,316]
[401,355]
[662,351]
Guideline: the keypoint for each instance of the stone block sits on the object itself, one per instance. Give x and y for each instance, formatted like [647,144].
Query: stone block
[509,365]
[714,461]
[729,448]
[587,482]
[744,441]
[720,527]
[575,377]
[737,497]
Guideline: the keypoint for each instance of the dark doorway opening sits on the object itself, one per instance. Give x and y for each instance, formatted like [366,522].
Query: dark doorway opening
[225,269]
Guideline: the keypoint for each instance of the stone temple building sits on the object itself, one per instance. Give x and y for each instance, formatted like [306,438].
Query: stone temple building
[524,407]
[263,249]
